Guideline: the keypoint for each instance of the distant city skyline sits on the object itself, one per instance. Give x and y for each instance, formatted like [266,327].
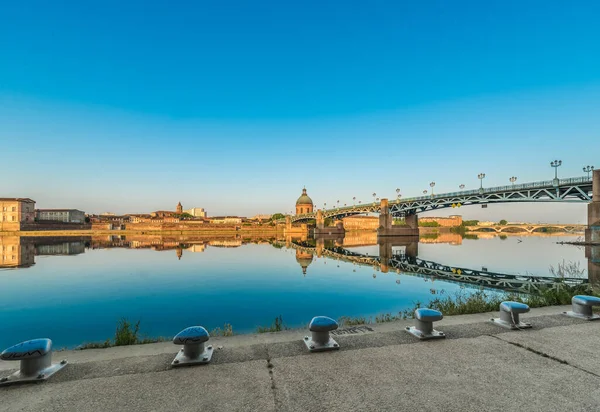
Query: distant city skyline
[235,109]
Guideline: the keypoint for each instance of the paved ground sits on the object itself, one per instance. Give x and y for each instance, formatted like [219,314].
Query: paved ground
[479,367]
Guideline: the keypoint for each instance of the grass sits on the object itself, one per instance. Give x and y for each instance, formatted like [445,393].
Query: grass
[226,331]
[464,303]
[125,334]
[276,326]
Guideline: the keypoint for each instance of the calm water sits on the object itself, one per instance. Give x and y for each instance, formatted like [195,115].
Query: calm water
[75,293]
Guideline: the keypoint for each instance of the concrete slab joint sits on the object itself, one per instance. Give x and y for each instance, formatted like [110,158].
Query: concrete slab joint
[36,362]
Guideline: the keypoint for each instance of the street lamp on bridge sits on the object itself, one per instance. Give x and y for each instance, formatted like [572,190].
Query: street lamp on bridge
[588,169]
[432,184]
[481,176]
[354,201]
[555,164]
[461,187]
[338,203]
[425,191]
[513,180]
[374,196]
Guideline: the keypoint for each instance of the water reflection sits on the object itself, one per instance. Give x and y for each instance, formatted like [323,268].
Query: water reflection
[88,283]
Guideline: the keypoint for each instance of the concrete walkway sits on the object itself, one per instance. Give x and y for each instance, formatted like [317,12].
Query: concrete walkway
[479,367]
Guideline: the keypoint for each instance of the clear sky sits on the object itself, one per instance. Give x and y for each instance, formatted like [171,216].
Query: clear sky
[235,106]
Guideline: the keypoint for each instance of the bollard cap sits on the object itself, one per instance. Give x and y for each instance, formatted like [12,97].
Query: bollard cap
[191,335]
[30,349]
[428,315]
[322,324]
[514,307]
[586,300]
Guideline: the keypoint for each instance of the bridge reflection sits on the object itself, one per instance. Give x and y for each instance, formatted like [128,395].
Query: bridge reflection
[407,262]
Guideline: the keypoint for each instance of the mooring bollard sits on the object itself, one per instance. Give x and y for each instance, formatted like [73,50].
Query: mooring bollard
[582,307]
[36,361]
[193,351]
[320,326]
[509,315]
[424,319]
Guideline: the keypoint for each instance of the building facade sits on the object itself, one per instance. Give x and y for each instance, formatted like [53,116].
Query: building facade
[451,221]
[196,212]
[361,222]
[304,204]
[226,220]
[61,215]
[14,212]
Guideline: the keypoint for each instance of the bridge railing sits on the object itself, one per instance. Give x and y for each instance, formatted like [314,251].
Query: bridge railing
[507,188]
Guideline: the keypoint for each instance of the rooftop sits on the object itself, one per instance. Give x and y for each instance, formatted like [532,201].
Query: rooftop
[18,199]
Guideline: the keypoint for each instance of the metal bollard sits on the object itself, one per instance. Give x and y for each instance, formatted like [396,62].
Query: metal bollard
[582,307]
[193,352]
[36,361]
[424,319]
[321,341]
[509,315]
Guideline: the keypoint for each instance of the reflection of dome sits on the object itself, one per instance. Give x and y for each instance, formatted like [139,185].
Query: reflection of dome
[304,259]
[304,199]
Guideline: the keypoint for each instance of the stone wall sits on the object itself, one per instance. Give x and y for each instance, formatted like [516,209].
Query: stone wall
[361,222]
[52,225]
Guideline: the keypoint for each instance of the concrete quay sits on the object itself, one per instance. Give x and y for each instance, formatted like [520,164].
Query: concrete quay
[555,366]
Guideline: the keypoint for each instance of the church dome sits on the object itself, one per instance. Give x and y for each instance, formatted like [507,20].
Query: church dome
[304,199]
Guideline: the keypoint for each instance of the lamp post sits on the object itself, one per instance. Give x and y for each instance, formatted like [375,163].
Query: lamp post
[461,187]
[374,196]
[513,180]
[338,203]
[354,201]
[481,176]
[425,191]
[555,164]
[588,169]
[432,184]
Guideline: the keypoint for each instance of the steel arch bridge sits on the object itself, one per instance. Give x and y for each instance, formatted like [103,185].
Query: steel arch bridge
[575,189]
[432,270]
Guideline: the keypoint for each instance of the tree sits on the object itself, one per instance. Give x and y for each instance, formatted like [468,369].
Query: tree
[277,216]
[502,222]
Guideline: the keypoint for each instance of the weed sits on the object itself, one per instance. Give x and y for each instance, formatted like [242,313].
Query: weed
[226,331]
[277,326]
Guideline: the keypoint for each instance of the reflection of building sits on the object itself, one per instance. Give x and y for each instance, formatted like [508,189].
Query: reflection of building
[304,204]
[14,252]
[197,248]
[61,215]
[361,222]
[304,259]
[64,248]
[455,220]
[196,212]
[225,243]
[14,212]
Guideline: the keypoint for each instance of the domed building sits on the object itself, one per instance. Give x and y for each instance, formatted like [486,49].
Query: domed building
[304,204]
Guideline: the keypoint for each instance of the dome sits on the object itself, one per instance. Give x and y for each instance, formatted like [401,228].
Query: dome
[304,260]
[304,199]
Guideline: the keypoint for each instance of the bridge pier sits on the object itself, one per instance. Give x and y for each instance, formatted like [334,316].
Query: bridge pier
[594,207]
[386,223]
[411,244]
[321,229]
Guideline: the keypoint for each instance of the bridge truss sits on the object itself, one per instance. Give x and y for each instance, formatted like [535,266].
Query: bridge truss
[576,189]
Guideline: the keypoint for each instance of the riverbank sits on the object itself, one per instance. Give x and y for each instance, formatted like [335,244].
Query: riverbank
[208,232]
[378,367]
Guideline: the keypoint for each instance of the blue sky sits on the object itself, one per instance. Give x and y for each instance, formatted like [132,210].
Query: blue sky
[236,106]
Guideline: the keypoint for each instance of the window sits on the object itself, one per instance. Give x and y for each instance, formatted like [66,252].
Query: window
[14,209]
